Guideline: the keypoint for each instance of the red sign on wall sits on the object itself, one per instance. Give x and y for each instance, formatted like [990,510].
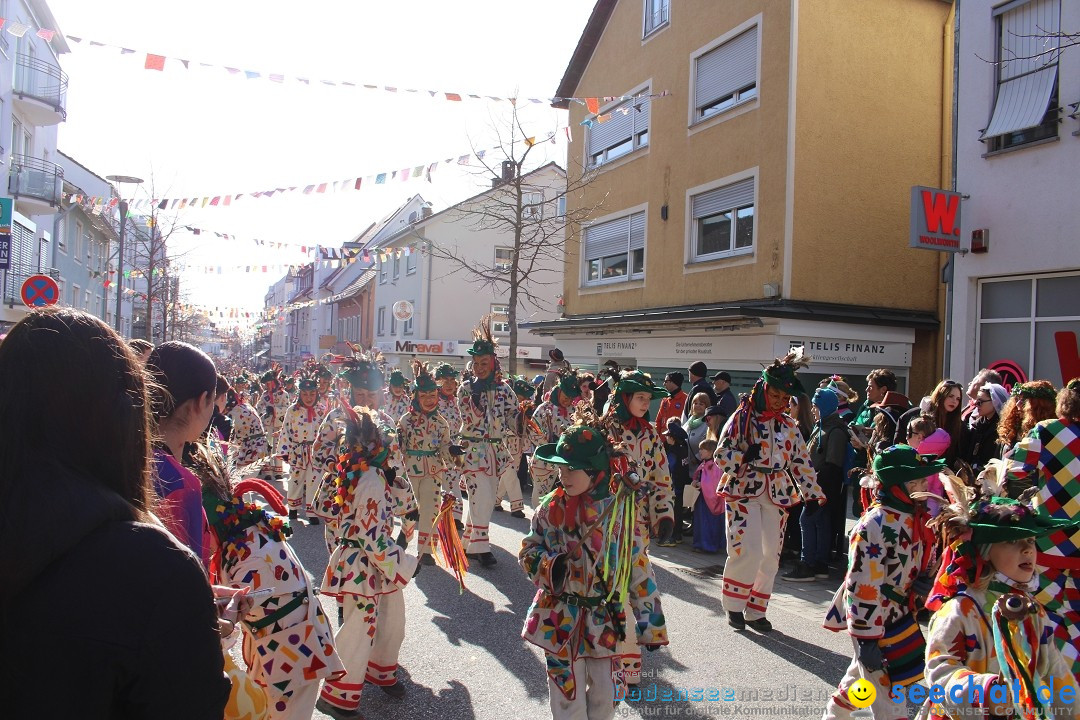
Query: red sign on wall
[935,219]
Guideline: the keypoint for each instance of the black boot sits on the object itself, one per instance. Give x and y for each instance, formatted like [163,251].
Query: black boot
[293,515]
[736,620]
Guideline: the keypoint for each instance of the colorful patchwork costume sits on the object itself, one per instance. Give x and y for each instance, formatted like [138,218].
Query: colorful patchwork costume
[424,438]
[1049,458]
[288,644]
[247,444]
[549,420]
[586,554]
[396,405]
[766,468]
[488,413]
[367,569]
[298,433]
[875,604]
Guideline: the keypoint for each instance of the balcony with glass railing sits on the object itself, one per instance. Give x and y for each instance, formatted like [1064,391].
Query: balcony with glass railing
[37,185]
[40,90]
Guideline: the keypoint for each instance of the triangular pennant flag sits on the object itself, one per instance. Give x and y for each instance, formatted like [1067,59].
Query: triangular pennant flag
[154,62]
[453,97]
[593,104]
[46,35]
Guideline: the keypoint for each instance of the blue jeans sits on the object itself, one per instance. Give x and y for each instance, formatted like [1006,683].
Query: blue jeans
[817,538]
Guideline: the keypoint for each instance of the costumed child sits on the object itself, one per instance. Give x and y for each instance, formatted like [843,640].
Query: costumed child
[446,377]
[366,570]
[586,554]
[327,393]
[288,644]
[424,438]
[887,570]
[298,433]
[991,645]
[488,415]
[766,471]
[709,534]
[550,418]
[247,444]
[631,431]
[395,399]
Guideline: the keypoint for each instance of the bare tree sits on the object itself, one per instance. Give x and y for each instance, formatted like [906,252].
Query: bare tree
[530,220]
[1052,45]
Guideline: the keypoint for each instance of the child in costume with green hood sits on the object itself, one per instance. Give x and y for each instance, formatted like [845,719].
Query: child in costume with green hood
[521,440]
[887,564]
[631,430]
[396,399]
[425,442]
[991,646]
[550,418]
[586,554]
[766,470]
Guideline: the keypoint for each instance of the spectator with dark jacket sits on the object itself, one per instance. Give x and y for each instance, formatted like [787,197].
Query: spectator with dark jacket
[678,449]
[725,399]
[698,383]
[828,449]
[605,382]
[979,440]
[98,602]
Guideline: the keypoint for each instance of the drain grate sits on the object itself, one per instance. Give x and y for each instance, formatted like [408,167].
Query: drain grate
[708,571]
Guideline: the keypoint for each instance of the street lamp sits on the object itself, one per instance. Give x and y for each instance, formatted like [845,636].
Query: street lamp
[120,250]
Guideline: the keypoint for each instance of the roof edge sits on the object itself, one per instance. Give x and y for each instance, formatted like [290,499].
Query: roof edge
[586,45]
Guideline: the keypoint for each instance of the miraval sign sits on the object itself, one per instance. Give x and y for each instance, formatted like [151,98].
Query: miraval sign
[935,219]
[429,347]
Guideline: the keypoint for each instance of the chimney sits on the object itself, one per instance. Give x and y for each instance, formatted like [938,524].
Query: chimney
[425,211]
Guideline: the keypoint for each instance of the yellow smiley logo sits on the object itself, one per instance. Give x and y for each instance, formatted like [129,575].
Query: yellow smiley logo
[862,693]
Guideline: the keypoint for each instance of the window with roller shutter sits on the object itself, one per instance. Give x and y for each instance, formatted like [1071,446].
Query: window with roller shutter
[619,129]
[614,250]
[726,75]
[722,221]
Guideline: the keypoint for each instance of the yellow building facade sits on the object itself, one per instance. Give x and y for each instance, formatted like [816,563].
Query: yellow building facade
[760,176]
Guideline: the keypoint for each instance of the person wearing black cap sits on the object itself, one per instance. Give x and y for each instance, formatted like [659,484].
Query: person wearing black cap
[556,364]
[606,380]
[698,383]
[725,399]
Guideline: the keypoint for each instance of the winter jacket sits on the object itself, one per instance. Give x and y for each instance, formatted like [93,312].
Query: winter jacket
[979,442]
[111,618]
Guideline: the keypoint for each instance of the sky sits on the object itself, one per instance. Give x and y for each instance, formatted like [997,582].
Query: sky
[203,131]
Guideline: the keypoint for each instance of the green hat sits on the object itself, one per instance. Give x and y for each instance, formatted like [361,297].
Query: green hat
[397,378]
[270,376]
[323,372]
[523,387]
[783,378]
[481,346]
[362,374]
[1002,519]
[580,447]
[308,383]
[635,381]
[446,370]
[241,380]
[423,383]
[899,464]
[570,385]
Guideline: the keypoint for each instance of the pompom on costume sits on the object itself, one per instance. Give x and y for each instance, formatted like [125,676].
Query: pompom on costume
[367,568]
[586,555]
[288,644]
[988,629]
[766,470]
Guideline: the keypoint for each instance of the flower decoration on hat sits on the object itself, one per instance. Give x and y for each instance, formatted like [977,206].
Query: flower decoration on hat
[363,369]
[523,387]
[1033,390]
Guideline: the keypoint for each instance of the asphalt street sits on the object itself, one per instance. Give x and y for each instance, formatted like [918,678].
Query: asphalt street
[464,658]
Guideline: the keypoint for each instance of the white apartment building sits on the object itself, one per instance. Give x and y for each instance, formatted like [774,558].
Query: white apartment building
[33,102]
[1017,153]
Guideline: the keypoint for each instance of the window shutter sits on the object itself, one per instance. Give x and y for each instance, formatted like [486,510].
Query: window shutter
[1025,82]
[724,198]
[637,231]
[22,251]
[616,129]
[608,238]
[725,69]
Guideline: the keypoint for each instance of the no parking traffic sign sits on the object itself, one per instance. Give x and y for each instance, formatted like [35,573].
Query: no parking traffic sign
[39,291]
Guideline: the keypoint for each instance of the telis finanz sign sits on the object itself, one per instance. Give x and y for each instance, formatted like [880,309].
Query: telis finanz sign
[935,219]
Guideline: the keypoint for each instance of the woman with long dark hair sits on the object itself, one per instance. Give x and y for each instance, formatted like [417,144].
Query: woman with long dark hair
[99,600]
[182,401]
[945,406]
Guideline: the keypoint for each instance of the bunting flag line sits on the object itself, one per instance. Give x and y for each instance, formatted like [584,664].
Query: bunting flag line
[594,108]
[352,184]
[331,258]
[156,62]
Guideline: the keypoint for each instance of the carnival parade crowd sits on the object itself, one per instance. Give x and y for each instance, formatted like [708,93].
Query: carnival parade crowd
[167,531]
